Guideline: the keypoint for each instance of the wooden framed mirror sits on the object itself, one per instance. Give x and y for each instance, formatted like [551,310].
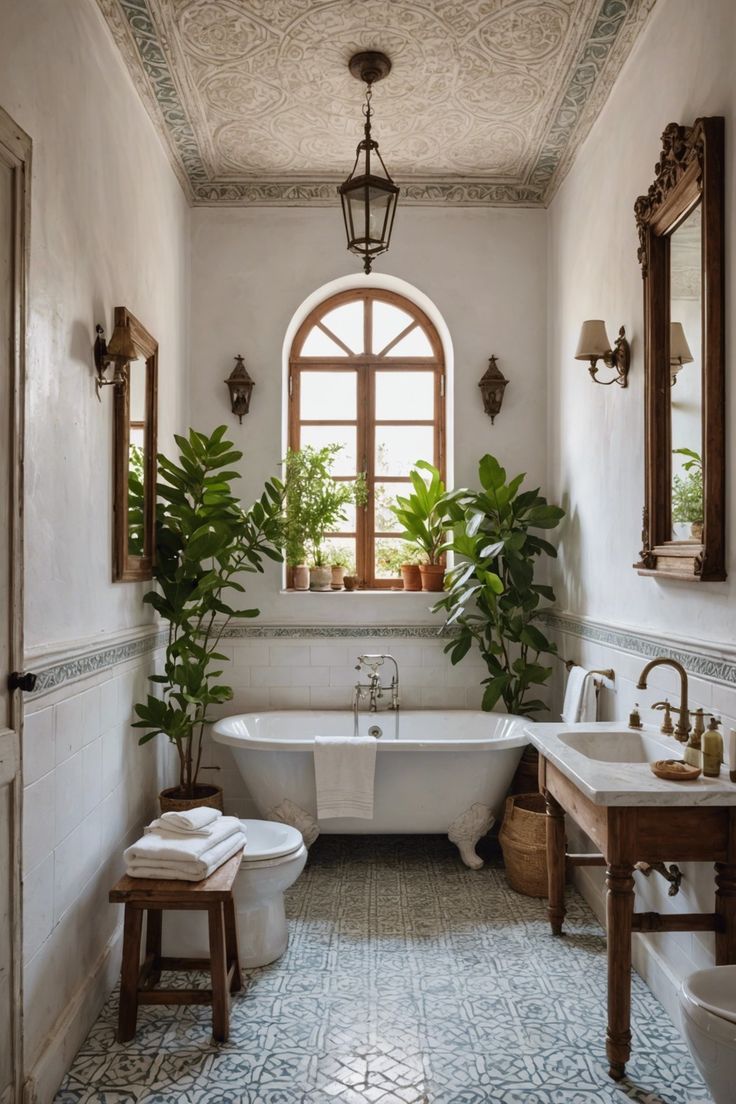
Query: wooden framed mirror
[681,250]
[134,456]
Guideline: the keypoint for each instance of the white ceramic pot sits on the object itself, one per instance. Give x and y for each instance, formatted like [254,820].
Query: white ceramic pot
[301,577]
[320,578]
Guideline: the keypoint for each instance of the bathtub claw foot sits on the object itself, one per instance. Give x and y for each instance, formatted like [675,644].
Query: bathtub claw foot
[287,812]
[467,829]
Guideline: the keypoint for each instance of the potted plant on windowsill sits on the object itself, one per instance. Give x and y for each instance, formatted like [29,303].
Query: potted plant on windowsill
[315,505]
[340,563]
[204,541]
[687,493]
[424,517]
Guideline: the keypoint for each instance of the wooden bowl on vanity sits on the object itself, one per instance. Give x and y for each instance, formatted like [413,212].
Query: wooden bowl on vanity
[675,770]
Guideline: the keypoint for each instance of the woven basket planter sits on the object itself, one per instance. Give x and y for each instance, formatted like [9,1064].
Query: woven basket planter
[523,839]
[209,796]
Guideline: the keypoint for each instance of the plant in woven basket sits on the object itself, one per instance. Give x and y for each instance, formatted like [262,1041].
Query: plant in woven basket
[205,541]
[491,596]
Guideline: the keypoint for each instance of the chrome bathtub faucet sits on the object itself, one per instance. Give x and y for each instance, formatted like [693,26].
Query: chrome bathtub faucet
[373,688]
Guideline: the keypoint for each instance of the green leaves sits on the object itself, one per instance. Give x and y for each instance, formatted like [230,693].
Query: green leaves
[425,513]
[315,501]
[204,540]
[491,597]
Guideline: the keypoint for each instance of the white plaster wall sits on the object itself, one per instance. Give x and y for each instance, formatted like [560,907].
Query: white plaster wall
[108,228]
[681,68]
[483,269]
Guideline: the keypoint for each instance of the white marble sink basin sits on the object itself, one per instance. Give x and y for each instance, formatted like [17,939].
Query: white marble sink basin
[625,746]
[610,765]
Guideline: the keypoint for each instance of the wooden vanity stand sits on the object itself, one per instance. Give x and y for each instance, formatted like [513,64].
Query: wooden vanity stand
[626,834]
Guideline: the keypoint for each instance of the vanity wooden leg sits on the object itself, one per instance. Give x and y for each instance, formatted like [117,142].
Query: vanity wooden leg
[556,847]
[726,912]
[619,913]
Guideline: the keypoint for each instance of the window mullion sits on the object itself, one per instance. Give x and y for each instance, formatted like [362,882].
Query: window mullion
[363,513]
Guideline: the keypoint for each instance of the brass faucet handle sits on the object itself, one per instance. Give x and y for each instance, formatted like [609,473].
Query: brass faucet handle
[667,727]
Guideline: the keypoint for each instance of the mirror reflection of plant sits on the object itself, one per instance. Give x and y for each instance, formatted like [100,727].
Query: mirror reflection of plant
[491,595]
[315,502]
[204,541]
[687,491]
[136,531]
[424,513]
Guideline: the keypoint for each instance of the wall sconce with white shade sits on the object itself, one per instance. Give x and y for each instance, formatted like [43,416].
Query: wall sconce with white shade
[680,354]
[594,346]
[115,354]
[240,385]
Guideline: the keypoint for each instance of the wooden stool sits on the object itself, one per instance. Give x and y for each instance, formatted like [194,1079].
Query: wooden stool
[138,982]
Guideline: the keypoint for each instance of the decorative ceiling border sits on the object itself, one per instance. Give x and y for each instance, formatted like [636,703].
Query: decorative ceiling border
[613,34]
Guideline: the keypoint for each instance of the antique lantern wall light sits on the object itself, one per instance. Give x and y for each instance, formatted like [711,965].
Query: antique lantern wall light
[368,197]
[240,385]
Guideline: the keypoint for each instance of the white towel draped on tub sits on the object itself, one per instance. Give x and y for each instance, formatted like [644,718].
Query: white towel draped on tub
[581,701]
[188,856]
[344,770]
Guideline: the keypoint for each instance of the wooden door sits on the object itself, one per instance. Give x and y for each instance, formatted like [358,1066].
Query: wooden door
[14,175]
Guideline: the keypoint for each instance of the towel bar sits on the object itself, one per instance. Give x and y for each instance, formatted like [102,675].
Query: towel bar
[604,672]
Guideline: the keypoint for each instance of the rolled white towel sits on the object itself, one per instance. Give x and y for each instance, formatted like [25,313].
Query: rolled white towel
[155,847]
[187,870]
[191,820]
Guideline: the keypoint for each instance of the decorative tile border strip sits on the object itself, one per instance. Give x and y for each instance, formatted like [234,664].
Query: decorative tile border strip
[81,664]
[331,632]
[711,662]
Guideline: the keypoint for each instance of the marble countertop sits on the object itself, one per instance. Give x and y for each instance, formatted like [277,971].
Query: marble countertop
[624,782]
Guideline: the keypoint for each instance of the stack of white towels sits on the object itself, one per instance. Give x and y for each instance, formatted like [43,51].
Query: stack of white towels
[188,846]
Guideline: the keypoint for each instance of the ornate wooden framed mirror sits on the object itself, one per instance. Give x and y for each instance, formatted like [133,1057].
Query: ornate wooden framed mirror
[681,250]
[134,456]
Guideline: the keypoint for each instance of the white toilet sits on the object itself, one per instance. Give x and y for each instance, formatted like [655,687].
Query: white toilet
[273,859]
[708,1007]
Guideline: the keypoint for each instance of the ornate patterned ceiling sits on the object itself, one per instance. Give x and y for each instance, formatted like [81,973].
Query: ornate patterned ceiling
[486,103]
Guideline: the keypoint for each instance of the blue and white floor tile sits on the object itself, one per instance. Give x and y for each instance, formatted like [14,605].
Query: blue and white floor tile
[409,979]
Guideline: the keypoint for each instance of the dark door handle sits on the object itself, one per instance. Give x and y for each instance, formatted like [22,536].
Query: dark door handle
[22,680]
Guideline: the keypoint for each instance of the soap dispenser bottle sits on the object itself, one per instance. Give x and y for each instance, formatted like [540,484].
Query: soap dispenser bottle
[693,753]
[712,749]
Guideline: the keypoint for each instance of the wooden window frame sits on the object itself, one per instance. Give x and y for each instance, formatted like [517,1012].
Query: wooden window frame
[365,365]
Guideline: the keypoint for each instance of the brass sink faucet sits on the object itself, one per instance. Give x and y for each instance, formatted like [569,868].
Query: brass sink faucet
[682,727]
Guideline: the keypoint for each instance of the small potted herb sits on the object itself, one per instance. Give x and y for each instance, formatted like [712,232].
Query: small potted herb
[341,562]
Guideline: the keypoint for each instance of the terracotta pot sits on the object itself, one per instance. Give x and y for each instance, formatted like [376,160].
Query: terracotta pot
[338,575]
[433,576]
[320,578]
[696,530]
[351,582]
[412,577]
[301,577]
[171,801]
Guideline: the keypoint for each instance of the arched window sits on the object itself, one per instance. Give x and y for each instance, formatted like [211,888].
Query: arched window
[366,371]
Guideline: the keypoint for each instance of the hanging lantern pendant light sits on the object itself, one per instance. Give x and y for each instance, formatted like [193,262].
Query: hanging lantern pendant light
[368,198]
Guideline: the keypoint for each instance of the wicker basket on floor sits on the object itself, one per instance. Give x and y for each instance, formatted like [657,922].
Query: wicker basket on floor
[523,839]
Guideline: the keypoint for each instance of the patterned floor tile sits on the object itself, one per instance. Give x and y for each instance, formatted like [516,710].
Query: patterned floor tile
[408,979]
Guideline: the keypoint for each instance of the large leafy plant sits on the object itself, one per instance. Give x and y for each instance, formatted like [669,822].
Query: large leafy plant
[315,502]
[205,540]
[491,594]
[424,513]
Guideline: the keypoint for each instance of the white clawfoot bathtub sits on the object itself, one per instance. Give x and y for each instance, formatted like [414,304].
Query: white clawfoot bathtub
[436,771]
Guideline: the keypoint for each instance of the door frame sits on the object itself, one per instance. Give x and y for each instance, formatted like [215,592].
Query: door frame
[16,148]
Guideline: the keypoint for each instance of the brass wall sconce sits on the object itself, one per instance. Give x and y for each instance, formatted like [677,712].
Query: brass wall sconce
[116,355]
[492,386]
[240,385]
[680,354]
[594,346]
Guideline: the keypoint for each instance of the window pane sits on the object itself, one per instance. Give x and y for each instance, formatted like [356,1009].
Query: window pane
[349,523]
[388,322]
[404,395]
[346,322]
[328,395]
[319,344]
[342,549]
[319,436]
[391,553]
[385,497]
[416,343]
[399,447]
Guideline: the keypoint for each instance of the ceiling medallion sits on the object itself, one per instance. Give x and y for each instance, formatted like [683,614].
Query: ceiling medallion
[368,200]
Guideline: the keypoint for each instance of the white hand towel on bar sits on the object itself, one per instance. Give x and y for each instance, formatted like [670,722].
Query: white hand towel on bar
[193,820]
[187,870]
[156,847]
[581,701]
[344,770]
